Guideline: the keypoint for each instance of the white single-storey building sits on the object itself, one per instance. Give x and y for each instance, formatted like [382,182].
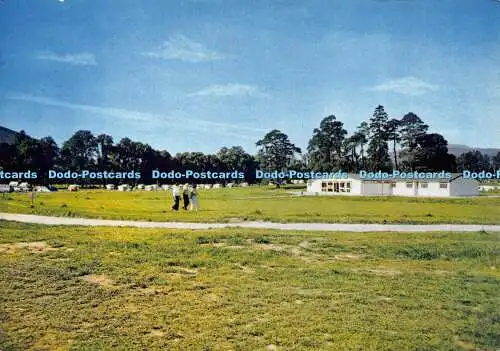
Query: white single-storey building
[354,185]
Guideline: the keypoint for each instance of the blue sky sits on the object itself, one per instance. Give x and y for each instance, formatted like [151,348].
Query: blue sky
[196,75]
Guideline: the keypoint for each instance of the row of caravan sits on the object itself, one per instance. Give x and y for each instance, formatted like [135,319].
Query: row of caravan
[156,187]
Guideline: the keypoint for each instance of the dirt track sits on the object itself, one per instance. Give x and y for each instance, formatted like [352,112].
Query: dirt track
[258,225]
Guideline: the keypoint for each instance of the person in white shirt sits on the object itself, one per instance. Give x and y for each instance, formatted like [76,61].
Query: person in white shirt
[195,205]
[177,197]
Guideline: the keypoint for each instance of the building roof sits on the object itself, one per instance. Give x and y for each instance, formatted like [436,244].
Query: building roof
[355,176]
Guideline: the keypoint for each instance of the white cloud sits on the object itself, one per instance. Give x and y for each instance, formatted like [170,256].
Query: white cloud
[231,90]
[81,59]
[407,86]
[182,48]
[147,119]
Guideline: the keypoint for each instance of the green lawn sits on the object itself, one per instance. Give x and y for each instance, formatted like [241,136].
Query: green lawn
[258,203]
[79,288]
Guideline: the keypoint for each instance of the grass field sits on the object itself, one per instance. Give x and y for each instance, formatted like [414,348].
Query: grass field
[258,203]
[138,289]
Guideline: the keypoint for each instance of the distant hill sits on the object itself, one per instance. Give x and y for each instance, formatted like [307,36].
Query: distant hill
[458,149]
[7,135]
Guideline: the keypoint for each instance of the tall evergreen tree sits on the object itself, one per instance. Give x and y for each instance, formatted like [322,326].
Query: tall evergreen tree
[364,131]
[394,136]
[357,140]
[326,145]
[378,149]
[411,128]
[276,151]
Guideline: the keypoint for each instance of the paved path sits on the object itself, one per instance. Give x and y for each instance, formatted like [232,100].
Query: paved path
[25,218]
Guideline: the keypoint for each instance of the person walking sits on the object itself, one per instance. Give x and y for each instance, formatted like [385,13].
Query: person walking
[195,205]
[185,196]
[177,197]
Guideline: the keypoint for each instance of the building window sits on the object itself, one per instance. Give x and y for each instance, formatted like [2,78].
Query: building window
[327,187]
[393,185]
[423,185]
[345,187]
[409,185]
[443,185]
[336,187]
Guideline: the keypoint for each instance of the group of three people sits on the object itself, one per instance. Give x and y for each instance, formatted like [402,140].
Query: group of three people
[189,197]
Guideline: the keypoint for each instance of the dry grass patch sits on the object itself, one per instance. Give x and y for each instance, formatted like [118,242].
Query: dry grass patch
[35,247]
[304,244]
[211,297]
[271,247]
[385,271]
[244,268]
[384,298]
[309,292]
[101,280]
[347,257]
[188,270]
[382,271]
[157,333]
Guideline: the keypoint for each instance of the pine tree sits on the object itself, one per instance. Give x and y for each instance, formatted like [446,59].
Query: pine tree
[364,131]
[276,151]
[326,146]
[378,149]
[412,128]
[394,136]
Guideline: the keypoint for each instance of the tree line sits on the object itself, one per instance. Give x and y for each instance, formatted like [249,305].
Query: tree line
[381,143]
